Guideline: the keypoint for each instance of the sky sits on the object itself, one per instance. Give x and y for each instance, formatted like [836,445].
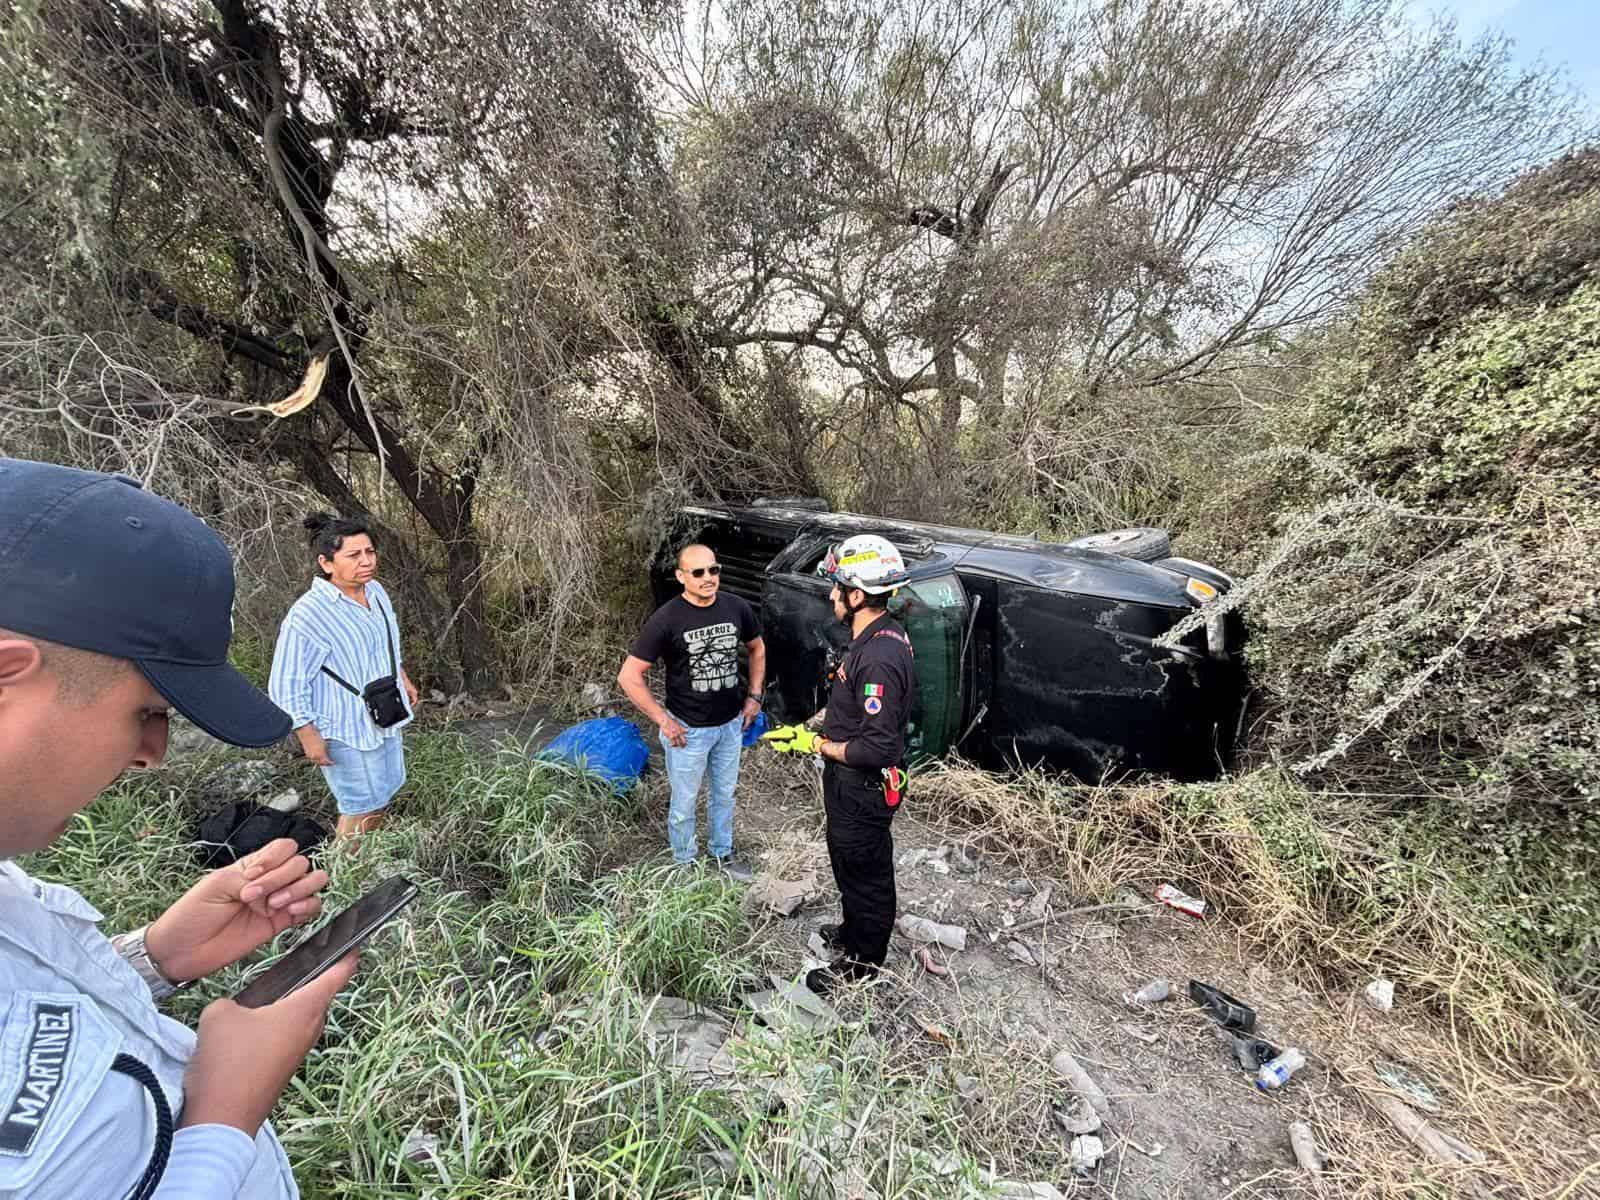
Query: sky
[1559,32]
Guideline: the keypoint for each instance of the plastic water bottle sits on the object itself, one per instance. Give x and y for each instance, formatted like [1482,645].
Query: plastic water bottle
[1273,1075]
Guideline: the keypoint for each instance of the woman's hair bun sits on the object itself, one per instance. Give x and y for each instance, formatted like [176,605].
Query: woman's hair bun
[316,522]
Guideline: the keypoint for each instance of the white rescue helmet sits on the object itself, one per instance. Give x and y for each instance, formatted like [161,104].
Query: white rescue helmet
[868,562]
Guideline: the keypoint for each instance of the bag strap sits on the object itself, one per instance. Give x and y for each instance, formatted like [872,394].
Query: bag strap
[388,631]
[340,682]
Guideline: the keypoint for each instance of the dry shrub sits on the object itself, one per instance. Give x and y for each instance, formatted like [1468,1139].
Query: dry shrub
[1423,591]
[1300,874]
[1315,895]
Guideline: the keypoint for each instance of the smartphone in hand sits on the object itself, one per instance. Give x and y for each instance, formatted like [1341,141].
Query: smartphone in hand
[323,947]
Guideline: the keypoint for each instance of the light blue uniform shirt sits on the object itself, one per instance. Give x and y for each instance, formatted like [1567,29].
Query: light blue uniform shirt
[325,628]
[71,1128]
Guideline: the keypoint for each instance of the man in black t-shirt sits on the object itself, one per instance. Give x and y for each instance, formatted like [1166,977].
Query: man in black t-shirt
[698,634]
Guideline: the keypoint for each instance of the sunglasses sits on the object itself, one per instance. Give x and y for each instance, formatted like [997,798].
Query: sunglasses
[713,570]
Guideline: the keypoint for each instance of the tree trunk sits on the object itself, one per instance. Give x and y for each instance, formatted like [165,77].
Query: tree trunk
[465,583]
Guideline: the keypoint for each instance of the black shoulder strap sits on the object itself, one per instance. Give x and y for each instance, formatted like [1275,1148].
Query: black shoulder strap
[388,631]
[340,682]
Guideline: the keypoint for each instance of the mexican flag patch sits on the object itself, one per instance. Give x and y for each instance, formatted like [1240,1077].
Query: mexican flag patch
[872,689]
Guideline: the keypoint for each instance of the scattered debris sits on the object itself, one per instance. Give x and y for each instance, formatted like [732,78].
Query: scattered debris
[1223,1008]
[1148,1037]
[1027,1191]
[435,696]
[687,1038]
[1380,994]
[1275,1073]
[1085,1154]
[925,957]
[784,896]
[1304,1144]
[1076,1115]
[1184,903]
[1020,952]
[1153,992]
[790,1005]
[1069,1069]
[419,1146]
[1039,906]
[920,929]
[1021,888]
[1248,1052]
[961,860]
[286,801]
[1153,1150]
[1409,1086]
[593,697]
[969,1089]
[935,1031]
[1435,1143]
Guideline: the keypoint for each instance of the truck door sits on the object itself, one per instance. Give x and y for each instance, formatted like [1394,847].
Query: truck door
[804,642]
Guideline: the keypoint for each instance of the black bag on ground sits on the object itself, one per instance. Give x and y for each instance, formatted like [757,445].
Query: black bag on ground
[244,826]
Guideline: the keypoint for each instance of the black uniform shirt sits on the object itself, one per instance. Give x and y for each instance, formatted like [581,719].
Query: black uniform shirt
[870,701]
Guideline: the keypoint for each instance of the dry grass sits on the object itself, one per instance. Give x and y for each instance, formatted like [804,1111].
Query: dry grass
[1515,1063]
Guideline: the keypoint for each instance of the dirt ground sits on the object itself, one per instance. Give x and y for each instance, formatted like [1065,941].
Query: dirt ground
[1187,1120]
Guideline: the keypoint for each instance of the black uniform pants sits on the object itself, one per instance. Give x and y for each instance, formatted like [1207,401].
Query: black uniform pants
[862,853]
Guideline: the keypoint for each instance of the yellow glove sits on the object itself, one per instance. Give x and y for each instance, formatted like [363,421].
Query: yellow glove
[792,739]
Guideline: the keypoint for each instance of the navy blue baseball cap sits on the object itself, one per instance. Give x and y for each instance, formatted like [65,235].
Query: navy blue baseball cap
[96,562]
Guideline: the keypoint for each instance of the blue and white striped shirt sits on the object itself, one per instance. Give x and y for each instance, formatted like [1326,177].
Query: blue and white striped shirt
[325,628]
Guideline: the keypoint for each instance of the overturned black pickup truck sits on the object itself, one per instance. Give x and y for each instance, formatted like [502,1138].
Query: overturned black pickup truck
[1028,652]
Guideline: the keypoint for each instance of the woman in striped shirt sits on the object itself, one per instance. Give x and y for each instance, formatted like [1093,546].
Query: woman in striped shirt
[338,637]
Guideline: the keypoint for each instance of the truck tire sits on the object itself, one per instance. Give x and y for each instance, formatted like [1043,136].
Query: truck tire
[1140,542]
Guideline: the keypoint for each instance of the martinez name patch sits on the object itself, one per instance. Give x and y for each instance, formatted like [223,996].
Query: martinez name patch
[52,1029]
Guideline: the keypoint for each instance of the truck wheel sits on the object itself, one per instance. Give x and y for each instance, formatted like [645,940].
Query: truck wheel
[1142,543]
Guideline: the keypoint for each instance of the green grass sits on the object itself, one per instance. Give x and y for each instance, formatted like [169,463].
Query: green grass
[503,1015]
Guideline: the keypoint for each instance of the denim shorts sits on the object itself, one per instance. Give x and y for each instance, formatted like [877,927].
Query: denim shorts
[364,781]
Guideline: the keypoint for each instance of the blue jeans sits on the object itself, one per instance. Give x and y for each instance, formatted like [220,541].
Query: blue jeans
[715,747]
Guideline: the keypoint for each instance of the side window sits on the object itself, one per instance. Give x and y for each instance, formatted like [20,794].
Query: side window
[934,615]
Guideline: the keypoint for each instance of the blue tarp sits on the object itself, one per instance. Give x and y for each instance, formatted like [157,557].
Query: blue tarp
[610,747]
[757,728]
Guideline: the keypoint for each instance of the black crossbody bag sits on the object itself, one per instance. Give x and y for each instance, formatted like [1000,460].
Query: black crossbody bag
[381,696]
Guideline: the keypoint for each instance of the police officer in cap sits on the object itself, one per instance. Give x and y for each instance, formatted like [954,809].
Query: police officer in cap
[116,605]
[863,750]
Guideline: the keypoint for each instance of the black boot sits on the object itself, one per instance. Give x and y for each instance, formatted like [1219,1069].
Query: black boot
[822,980]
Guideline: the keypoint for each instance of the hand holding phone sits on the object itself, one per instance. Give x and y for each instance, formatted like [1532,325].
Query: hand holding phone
[245,1057]
[323,947]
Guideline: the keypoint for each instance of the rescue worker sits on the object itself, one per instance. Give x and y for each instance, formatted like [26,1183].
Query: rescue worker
[114,606]
[863,747]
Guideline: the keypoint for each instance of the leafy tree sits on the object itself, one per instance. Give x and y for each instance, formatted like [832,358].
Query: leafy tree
[431,214]
[940,201]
